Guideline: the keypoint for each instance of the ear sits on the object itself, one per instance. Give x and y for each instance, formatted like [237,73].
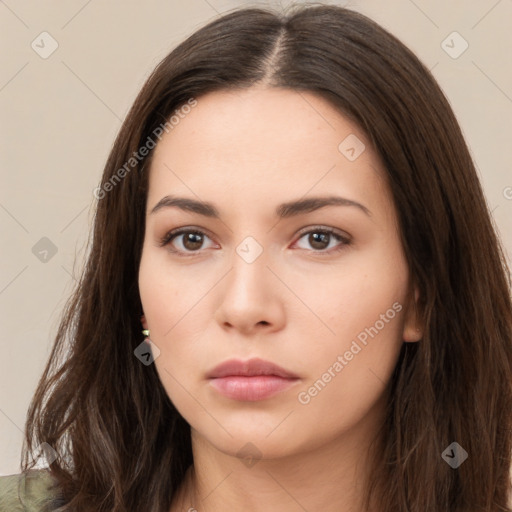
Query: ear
[412,331]
[143,321]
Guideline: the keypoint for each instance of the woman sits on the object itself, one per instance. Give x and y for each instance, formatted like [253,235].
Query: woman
[292,217]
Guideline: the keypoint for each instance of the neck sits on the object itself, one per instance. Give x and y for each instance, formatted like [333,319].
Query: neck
[331,477]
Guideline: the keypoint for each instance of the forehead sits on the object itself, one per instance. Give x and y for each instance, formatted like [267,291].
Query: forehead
[258,119]
[257,144]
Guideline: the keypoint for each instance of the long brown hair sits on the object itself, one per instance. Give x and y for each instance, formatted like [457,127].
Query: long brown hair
[124,447]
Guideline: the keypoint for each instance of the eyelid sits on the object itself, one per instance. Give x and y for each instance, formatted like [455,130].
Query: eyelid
[319,227]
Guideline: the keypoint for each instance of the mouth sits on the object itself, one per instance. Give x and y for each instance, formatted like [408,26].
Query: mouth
[250,380]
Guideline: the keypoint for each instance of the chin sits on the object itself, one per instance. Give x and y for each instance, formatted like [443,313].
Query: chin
[247,440]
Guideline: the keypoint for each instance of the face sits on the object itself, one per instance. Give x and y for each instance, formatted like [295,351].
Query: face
[320,289]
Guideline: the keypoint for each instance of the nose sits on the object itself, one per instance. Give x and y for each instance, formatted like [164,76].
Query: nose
[251,298]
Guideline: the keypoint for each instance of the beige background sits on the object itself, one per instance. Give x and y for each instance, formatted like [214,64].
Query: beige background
[60,116]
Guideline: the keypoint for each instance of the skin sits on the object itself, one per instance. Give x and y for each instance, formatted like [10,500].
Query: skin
[299,304]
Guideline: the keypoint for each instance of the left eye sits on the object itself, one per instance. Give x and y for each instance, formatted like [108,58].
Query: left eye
[320,240]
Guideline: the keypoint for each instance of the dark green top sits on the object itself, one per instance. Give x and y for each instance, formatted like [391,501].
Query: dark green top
[29,492]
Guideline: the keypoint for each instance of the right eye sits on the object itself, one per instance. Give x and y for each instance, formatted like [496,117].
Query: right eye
[189,241]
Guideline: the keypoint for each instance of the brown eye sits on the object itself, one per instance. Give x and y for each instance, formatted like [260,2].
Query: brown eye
[192,241]
[324,240]
[184,241]
[319,240]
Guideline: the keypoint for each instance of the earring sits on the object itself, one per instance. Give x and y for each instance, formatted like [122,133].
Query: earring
[144,331]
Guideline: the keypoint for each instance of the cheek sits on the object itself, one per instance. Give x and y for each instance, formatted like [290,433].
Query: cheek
[171,304]
[169,295]
[347,373]
[368,288]
[362,307]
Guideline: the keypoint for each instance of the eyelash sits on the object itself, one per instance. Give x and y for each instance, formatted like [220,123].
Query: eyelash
[171,235]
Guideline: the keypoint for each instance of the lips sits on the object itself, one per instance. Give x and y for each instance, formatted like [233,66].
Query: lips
[250,368]
[250,380]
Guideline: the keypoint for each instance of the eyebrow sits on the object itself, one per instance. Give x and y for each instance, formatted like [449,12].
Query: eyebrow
[284,210]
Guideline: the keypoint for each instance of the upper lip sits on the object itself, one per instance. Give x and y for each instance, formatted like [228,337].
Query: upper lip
[249,368]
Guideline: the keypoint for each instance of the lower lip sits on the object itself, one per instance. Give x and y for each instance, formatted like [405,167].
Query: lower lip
[251,388]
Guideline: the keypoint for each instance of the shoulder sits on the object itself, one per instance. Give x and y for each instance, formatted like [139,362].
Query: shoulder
[27,492]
